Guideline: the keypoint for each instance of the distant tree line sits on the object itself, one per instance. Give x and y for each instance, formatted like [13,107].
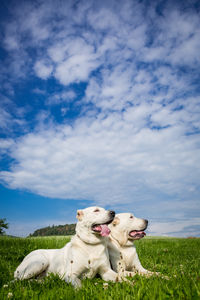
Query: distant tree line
[68,229]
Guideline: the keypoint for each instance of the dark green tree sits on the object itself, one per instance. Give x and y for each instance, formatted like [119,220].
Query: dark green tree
[3,225]
[67,229]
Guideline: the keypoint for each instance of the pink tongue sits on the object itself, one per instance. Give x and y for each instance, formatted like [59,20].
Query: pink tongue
[105,230]
[133,233]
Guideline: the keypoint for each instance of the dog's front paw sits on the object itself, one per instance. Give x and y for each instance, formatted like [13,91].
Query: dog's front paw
[146,273]
[75,281]
[162,276]
[150,273]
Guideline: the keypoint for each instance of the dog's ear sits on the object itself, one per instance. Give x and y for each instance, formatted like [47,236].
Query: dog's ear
[115,221]
[79,215]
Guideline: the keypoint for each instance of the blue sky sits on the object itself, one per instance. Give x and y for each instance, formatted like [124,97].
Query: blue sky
[99,105]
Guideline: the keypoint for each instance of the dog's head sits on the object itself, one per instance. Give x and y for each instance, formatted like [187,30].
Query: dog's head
[126,228]
[93,223]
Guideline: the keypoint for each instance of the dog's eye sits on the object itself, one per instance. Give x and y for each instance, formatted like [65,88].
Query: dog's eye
[96,210]
[131,217]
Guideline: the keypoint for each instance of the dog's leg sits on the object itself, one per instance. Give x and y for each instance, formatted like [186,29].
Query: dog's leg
[138,268]
[108,274]
[120,268]
[31,266]
[74,280]
[74,268]
[73,273]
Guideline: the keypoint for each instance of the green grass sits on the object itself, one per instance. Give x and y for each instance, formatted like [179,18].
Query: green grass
[179,259]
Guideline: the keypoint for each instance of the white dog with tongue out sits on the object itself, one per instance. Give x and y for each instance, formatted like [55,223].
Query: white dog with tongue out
[126,228]
[85,256]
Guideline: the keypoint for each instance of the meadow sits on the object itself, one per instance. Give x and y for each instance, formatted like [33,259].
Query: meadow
[177,258]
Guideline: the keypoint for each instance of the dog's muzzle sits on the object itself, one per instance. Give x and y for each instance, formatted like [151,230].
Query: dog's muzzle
[138,234]
[103,229]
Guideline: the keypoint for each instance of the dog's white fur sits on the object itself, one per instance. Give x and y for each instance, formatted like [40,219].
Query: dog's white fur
[122,252]
[85,256]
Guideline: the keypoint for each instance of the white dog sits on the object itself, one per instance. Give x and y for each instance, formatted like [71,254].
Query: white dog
[85,256]
[126,228]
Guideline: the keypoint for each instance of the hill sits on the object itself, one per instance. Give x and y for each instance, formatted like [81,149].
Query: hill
[68,229]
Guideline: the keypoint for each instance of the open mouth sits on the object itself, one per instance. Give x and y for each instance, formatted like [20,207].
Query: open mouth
[102,229]
[137,234]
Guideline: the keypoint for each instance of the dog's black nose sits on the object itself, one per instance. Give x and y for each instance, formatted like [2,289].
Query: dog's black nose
[112,213]
[146,222]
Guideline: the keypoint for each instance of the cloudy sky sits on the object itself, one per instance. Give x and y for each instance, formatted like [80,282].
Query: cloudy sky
[100,105]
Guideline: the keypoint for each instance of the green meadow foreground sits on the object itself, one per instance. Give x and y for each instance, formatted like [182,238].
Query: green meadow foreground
[179,259]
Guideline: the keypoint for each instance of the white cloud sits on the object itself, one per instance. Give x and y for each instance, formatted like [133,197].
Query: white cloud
[43,69]
[11,43]
[5,118]
[178,39]
[180,228]
[75,69]
[9,122]
[65,96]
[6,143]
[39,91]
[91,35]
[137,132]
[74,59]
[105,158]
[5,146]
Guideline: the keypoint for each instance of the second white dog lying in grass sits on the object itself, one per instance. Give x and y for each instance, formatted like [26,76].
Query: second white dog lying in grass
[123,256]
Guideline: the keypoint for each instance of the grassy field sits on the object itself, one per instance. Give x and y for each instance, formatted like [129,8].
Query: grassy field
[179,259]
